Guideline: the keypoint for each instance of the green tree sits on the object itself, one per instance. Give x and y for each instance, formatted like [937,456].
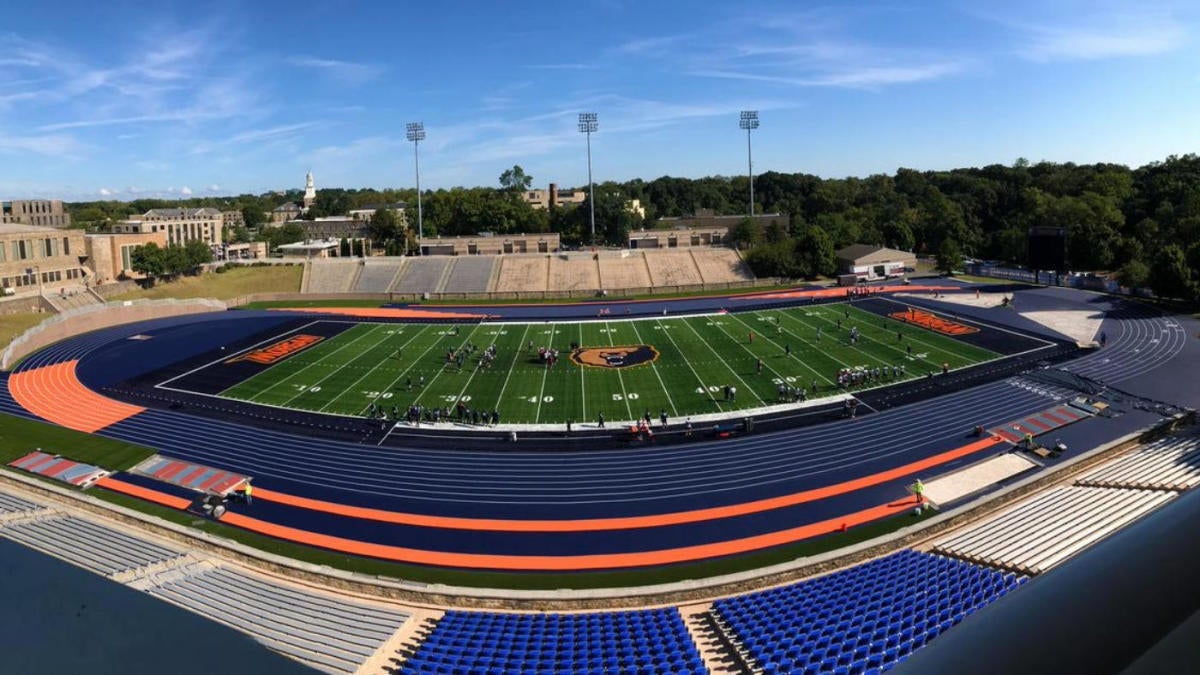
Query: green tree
[746,234]
[949,257]
[1133,274]
[776,232]
[344,248]
[148,260]
[196,253]
[515,180]
[384,226]
[813,253]
[1169,275]
[253,217]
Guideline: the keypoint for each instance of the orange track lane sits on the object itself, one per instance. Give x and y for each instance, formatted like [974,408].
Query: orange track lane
[383,312]
[631,522]
[521,563]
[54,393]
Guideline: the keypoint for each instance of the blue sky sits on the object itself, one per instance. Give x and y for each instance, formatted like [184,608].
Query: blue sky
[136,99]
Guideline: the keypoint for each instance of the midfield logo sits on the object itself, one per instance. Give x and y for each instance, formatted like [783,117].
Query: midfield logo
[282,349]
[624,356]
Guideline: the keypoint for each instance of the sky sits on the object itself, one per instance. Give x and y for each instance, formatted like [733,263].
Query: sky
[124,100]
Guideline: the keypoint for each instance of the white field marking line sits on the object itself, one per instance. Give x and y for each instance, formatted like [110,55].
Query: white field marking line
[478,367]
[439,373]
[976,322]
[868,355]
[582,321]
[296,375]
[620,378]
[537,415]
[247,349]
[512,365]
[367,374]
[954,318]
[582,378]
[722,360]
[654,367]
[887,346]
[916,339]
[320,379]
[703,385]
[778,375]
[392,384]
[797,356]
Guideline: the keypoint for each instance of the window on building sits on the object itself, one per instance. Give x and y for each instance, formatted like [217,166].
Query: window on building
[24,249]
[125,264]
[66,246]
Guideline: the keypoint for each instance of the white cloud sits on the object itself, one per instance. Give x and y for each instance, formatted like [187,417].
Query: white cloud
[185,191]
[866,77]
[214,187]
[1087,30]
[51,145]
[105,192]
[1083,43]
[348,72]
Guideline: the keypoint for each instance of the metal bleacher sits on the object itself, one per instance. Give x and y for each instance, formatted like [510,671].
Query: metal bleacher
[331,276]
[1169,464]
[421,275]
[1050,528]
[377,277]
[861,619]
[14,504]
[471,274]
[89,545]
[639,641]
[328,633]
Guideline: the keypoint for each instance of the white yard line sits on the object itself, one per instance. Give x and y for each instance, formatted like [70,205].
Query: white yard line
[382,361]
[654,367]
[722,360]
[795,356]
[893,346]
[703,385]
[511,367]
[226,357]
[291,378]
[439,373]
[620,378]
[582,378]
[404,372]
[537,415]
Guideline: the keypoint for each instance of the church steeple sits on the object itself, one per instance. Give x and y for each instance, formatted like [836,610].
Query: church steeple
[310,191]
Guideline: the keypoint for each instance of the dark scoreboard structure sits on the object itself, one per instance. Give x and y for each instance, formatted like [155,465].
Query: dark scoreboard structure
[1047,248]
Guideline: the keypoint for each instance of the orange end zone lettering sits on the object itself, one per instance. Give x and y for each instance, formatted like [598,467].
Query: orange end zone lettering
[933,322]
[284,348]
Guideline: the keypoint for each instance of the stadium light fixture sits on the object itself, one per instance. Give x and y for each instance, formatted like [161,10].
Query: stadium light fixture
[749,122]
[415,132]
[588,125]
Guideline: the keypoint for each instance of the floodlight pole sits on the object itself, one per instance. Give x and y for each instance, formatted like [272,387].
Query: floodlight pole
[749,121]
[588,124]
[415,132]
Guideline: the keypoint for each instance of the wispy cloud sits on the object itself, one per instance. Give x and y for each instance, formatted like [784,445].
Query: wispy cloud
[347,72]
[1131,38]
[864,77]
[51,145]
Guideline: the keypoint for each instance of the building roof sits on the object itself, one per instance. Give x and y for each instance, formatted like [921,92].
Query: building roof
[856,252]
[290,206]
[314,245]
[376,207]
[21,228]
[181,213]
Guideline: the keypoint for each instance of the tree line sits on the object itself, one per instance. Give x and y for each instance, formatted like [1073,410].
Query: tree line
[1142,223]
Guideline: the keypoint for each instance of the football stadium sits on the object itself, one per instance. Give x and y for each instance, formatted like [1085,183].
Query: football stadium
[790,361]
[810,478]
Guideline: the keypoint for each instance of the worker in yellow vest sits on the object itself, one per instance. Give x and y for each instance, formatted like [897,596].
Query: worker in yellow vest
[246,493]
[918,489]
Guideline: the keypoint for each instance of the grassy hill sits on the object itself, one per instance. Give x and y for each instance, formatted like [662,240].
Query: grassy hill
[232,283]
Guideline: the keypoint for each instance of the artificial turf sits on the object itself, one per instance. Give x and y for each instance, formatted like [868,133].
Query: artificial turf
[696,358]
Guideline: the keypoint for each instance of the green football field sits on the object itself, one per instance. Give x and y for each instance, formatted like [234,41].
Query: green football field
[696,358]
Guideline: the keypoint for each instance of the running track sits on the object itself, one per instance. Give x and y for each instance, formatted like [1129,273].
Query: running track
[598,509]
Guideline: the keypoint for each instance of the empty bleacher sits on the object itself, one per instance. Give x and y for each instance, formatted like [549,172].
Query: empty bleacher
[642,641]
[522,273]
[862,619]
[332,276]
[14,504]
[573,273]
[624,271]
[422,275]
[673,268]
[721,265]
[1168,464]
[1046,530]
[470,274]
[328,633]
[89,545]
[377,277]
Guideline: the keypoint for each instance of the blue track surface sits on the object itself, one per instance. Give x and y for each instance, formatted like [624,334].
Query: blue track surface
[632,482]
